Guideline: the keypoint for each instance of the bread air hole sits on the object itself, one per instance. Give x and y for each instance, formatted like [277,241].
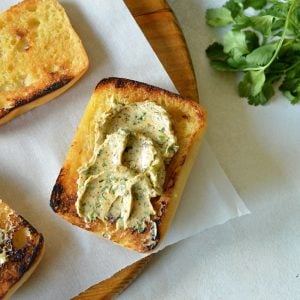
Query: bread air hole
[20,238]
[10,68]
[30,79]
[33,23]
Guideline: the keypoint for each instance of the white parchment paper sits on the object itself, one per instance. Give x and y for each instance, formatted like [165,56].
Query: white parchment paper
[33,148]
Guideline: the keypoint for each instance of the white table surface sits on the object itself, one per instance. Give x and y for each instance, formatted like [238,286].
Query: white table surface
[256,256]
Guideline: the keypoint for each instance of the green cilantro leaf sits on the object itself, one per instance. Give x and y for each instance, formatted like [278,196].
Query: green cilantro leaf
[235,43]
[262,55]
[263,23]
[291,89]
[291,85]
[252,83]
[216,52]
[277,9]
[252,40]
[265,46]
[218,57]
[238,63]
[264,96]
[223,66]
[219,17]
[234,6]
[258,93]
[257,4]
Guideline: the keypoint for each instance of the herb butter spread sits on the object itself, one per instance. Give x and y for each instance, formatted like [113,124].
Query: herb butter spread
[133,143]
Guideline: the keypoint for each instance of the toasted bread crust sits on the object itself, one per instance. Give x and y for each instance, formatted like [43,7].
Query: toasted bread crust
[43,68]
[189,121]
[21,260]
[18,102]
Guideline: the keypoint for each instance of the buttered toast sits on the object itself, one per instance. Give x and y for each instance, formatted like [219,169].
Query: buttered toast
[21,249]
[41,56]
[128,163]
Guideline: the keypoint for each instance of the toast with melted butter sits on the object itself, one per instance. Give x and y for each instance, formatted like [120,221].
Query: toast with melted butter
[21,249]
[113,191]
[41,56]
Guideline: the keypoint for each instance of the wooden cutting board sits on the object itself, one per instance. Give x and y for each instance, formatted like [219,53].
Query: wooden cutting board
[161,28]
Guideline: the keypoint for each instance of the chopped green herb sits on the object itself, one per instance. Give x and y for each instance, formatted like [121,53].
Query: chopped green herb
[173,149]
[162,137]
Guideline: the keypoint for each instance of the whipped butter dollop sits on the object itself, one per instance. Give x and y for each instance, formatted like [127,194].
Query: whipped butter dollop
[133,144]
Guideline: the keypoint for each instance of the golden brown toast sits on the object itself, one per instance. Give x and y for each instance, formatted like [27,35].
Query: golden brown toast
[41,56]
[188,120]
[21,249]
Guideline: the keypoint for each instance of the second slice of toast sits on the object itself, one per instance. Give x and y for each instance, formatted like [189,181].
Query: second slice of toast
[41,56]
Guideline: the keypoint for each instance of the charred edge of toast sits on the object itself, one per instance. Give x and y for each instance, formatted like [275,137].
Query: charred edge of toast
[22,259]
[58,190]
[38,94]
[60,201]
[123,83]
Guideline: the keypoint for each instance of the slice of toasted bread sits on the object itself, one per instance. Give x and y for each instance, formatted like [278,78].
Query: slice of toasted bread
[188,120]
[41,56]
[21,249]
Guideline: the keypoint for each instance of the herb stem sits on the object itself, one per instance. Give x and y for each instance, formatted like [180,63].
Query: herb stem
[285,70]
[292,67]
[263,68]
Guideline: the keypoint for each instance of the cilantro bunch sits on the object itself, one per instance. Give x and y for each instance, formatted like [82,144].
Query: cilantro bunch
[263,42]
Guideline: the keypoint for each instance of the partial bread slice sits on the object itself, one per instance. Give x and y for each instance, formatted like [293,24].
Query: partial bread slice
[41,56]
[189,121]
[23,247]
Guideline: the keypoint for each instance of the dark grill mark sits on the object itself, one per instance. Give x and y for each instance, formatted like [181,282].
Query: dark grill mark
[23,101]
[55,201]
[55,86]
[22,269]
[119,84]
[152,246]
